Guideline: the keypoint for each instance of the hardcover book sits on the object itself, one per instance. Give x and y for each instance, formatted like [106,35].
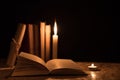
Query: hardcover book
[30,64]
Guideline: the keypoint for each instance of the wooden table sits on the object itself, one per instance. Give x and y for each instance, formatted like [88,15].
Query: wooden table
[108,71]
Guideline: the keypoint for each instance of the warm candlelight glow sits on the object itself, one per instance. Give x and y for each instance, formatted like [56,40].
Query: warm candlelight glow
[55,28]
[92,66]
[93,75]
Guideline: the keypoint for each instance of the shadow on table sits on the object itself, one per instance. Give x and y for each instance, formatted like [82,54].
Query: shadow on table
[57,77]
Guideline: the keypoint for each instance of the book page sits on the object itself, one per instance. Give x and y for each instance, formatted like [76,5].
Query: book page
[29,64]
[32,57]
[64,67]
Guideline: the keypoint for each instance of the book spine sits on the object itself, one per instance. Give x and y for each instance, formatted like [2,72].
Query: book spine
[16,44]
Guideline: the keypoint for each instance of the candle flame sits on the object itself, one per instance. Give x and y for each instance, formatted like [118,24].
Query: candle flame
[92,64]
[55,28]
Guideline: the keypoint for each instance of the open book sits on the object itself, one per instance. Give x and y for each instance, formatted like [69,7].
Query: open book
[29,64]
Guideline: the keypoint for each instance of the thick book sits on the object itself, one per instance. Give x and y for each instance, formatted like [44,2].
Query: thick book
[16,44]
[29,64]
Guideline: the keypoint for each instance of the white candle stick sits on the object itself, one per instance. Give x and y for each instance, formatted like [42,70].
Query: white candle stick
[55,42]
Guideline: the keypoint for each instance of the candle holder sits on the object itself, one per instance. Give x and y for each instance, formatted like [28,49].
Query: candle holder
[92,67]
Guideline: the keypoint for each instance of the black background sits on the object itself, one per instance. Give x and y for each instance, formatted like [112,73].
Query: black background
[88,30]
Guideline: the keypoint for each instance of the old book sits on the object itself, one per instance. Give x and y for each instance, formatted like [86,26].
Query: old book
[29,64]
[16,44]
[36,37]
[31,38]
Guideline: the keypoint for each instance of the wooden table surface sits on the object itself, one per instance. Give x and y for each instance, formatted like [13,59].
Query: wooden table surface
[108,71]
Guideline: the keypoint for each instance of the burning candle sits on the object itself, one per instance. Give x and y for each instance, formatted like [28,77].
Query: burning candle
[92,67]
[55,41]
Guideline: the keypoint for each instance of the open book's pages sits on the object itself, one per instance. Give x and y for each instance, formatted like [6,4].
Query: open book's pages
[28,64]
[63,67]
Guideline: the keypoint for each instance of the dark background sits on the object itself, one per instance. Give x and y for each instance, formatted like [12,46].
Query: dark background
[88,30]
